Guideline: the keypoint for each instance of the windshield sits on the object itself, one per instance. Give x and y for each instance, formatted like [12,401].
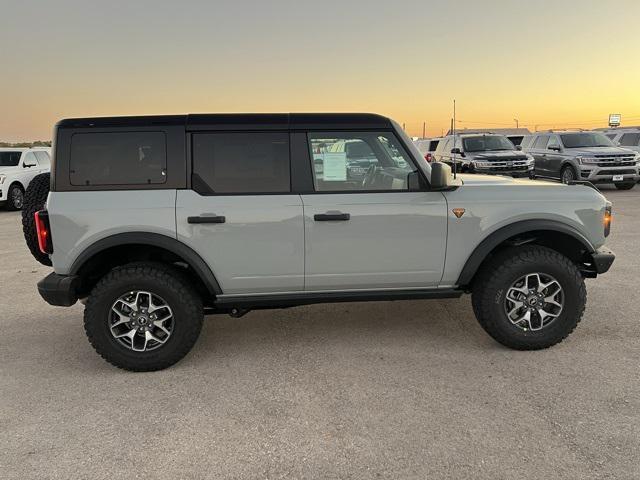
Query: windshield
[485,143]
[585,139]
[9,159]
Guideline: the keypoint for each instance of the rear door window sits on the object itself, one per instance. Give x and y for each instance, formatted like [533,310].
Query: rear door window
[118,158]
[241,163]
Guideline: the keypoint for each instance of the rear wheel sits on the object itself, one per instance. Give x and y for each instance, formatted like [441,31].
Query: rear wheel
[529,298]
[143,317]
[34,199]
[15,197]
[568,174]
[625,185]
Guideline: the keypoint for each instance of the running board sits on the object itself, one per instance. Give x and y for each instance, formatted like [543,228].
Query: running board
[278,300]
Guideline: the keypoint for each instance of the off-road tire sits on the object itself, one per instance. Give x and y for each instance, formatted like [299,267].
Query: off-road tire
[10,205]
[161,280]
[499,273]
[34,199]
[625,185]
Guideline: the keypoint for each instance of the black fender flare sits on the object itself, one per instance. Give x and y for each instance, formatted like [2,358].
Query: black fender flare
[194,260]
[502,234]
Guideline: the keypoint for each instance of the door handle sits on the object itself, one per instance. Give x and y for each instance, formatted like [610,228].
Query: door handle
[331,217]
[207,219]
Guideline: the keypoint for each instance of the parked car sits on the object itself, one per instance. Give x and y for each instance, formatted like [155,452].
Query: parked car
[154,221]
[583,155]
[626,137]
[427,147]
[18,166]
[487,153]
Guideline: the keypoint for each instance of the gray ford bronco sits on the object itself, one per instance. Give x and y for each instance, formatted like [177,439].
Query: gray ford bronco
[153,222]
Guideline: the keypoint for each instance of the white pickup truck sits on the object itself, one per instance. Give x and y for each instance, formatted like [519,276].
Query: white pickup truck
[18,166]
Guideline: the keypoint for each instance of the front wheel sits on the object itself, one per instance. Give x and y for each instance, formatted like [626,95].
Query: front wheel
[15,197]
[143,317]
[529,298]
[568,174]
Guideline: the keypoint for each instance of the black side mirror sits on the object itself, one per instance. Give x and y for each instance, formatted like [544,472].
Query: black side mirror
[519,147]
[555,148]
[415,182]
[440,176]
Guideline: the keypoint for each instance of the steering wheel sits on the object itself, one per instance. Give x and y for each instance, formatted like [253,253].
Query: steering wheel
[367,181]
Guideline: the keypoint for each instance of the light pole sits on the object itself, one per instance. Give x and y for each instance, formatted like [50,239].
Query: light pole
[517,124]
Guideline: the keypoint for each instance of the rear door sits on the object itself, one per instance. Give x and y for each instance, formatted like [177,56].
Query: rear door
[240,215]
[374,233]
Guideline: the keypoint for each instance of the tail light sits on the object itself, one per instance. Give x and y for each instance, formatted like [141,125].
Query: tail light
[428,157]
[43,231]
[607,220]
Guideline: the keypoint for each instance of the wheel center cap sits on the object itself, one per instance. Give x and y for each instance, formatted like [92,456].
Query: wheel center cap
[142,320]
[532,301]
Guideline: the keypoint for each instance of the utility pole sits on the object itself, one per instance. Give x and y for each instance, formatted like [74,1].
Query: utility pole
[424,129]
[453,131]
[403,126]
[516,120]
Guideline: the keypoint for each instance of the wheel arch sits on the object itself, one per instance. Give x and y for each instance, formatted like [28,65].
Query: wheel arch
[128,247]
[558,236]
[18,183]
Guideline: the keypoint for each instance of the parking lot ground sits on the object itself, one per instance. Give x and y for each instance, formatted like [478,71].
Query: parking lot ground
[374,390]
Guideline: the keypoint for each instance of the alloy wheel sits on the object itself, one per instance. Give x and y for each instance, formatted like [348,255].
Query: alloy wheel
[534,301]
[17,198]
[141,321]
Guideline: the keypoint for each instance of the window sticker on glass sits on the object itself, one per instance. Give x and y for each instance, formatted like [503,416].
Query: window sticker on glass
[334,166]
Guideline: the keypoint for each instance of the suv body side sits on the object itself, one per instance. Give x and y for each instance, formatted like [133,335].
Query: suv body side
[294,240]
[595,164]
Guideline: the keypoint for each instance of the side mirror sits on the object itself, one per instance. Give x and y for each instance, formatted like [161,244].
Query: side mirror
[554,147]
[440,176]
[519,147]
[456,151]
[415,182]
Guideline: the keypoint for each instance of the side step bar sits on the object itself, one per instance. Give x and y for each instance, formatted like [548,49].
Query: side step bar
[248,302]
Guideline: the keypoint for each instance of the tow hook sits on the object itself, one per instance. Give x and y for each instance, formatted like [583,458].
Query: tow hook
[238,312]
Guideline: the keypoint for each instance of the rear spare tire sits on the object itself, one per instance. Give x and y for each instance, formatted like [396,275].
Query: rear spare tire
[34,199]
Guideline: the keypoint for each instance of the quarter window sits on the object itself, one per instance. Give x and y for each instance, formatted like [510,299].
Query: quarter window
[123,158]
[241,163]
[359,162]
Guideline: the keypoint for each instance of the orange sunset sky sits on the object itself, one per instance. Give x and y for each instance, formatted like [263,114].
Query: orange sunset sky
[546,63]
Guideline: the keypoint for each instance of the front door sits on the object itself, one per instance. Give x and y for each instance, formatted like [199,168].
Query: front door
[368,231]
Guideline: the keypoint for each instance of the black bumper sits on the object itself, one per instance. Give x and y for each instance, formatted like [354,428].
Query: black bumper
[59,290]
[602,259]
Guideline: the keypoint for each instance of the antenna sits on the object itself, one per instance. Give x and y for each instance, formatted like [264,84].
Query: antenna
[453,130]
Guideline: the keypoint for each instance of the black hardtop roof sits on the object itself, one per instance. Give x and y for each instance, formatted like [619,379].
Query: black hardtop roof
[239,121]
